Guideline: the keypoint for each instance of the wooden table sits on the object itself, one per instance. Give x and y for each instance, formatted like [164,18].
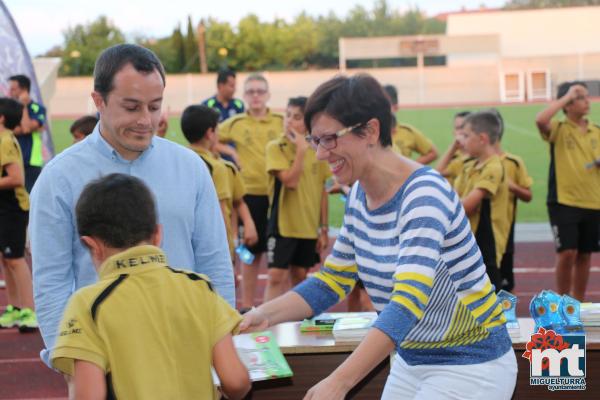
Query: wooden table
[313,356]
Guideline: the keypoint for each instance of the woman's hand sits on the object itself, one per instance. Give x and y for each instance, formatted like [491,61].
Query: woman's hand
[328,389]
[254,321]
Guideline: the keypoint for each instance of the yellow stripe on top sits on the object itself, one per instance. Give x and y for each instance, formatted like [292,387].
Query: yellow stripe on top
[400,287]
[413,276]
[409,304]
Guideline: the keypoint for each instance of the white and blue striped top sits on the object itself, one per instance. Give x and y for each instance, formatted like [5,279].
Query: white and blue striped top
[422,269]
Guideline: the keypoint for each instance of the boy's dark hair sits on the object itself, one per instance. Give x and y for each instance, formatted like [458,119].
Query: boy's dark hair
[22,80]
[500,122]
[462,114]
[352,101]
[223,75]
[113,59]
[485,122]
[118,209]
[196,120]
[392,93]
[299,102]
[12,111]
[85,125]
[564,87]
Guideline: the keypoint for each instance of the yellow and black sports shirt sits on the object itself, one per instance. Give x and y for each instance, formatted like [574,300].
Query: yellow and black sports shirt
[250,136]
[490,223]
[238,190]
[295,213]
[570,182]
[218,173]
[15,199]
[408,140]
[456,166]
[151,328]
[516,172]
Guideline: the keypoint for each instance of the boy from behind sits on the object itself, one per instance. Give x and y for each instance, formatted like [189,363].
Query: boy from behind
[137,332]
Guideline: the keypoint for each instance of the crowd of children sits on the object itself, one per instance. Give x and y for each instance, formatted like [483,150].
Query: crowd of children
[273,189]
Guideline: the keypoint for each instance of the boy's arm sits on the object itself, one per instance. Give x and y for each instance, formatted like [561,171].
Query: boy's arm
[544,118]
[14,177]
[472,201]
[522,193]
[425,148]
[235,382]
[428,157]
[290,177]
[89,381]
[250,234]
[442,166]
[224,148]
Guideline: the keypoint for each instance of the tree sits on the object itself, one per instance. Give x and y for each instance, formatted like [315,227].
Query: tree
[83,44]
[192,60]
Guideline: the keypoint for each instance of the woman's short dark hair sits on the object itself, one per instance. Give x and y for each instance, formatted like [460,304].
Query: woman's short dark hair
[118,209]
[352,100]
[113,59]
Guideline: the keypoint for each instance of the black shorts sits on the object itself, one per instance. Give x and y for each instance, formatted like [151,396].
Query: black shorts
[259,209]
[283,252]
[574,228]
[13,231]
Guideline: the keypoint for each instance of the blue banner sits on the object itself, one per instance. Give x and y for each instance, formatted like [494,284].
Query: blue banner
[14,60]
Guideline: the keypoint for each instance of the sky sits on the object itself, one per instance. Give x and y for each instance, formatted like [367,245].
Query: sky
[41,22]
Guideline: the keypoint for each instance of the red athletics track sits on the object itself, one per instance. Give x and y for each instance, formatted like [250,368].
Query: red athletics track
[23,376]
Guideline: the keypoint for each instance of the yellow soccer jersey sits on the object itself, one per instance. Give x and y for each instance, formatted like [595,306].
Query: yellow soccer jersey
[218,173]
[151,328]
[570,182]
[15,199]
[295,213]
[456,166]
[250,136]
[490,223]
[238,190]
[516,172]
[408,140]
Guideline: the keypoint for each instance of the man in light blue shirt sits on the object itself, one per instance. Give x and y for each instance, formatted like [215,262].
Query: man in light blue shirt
[128,90]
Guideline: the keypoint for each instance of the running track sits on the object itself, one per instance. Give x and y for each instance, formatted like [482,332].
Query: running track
[23,376]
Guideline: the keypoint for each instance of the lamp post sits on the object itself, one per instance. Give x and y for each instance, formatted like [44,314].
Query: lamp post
[76,55]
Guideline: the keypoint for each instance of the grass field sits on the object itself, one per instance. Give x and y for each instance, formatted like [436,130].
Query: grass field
[520,137]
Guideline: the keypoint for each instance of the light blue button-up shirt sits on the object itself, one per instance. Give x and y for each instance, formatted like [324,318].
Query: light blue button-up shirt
[193,230]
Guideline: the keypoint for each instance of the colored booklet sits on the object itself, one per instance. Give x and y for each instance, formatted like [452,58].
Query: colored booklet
[324,322]
[353,328]
[261,355]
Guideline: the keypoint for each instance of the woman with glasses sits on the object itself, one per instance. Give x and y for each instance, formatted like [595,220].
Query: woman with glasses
[406,236]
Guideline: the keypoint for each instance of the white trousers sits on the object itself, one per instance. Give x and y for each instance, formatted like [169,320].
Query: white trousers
[492,380]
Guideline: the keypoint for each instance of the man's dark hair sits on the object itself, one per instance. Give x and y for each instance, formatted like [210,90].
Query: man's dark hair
[85,125]
[12,111]
[352,101]
[485,122]
[223,75]
[118,209]
[392,93]
[23,81]
[113,59]
[462,114]
[196,120]
[299,102]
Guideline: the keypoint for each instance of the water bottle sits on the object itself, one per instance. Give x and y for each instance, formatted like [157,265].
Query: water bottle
[245,255]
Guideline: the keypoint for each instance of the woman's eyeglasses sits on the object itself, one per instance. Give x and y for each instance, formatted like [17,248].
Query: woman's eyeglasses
[329,142]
